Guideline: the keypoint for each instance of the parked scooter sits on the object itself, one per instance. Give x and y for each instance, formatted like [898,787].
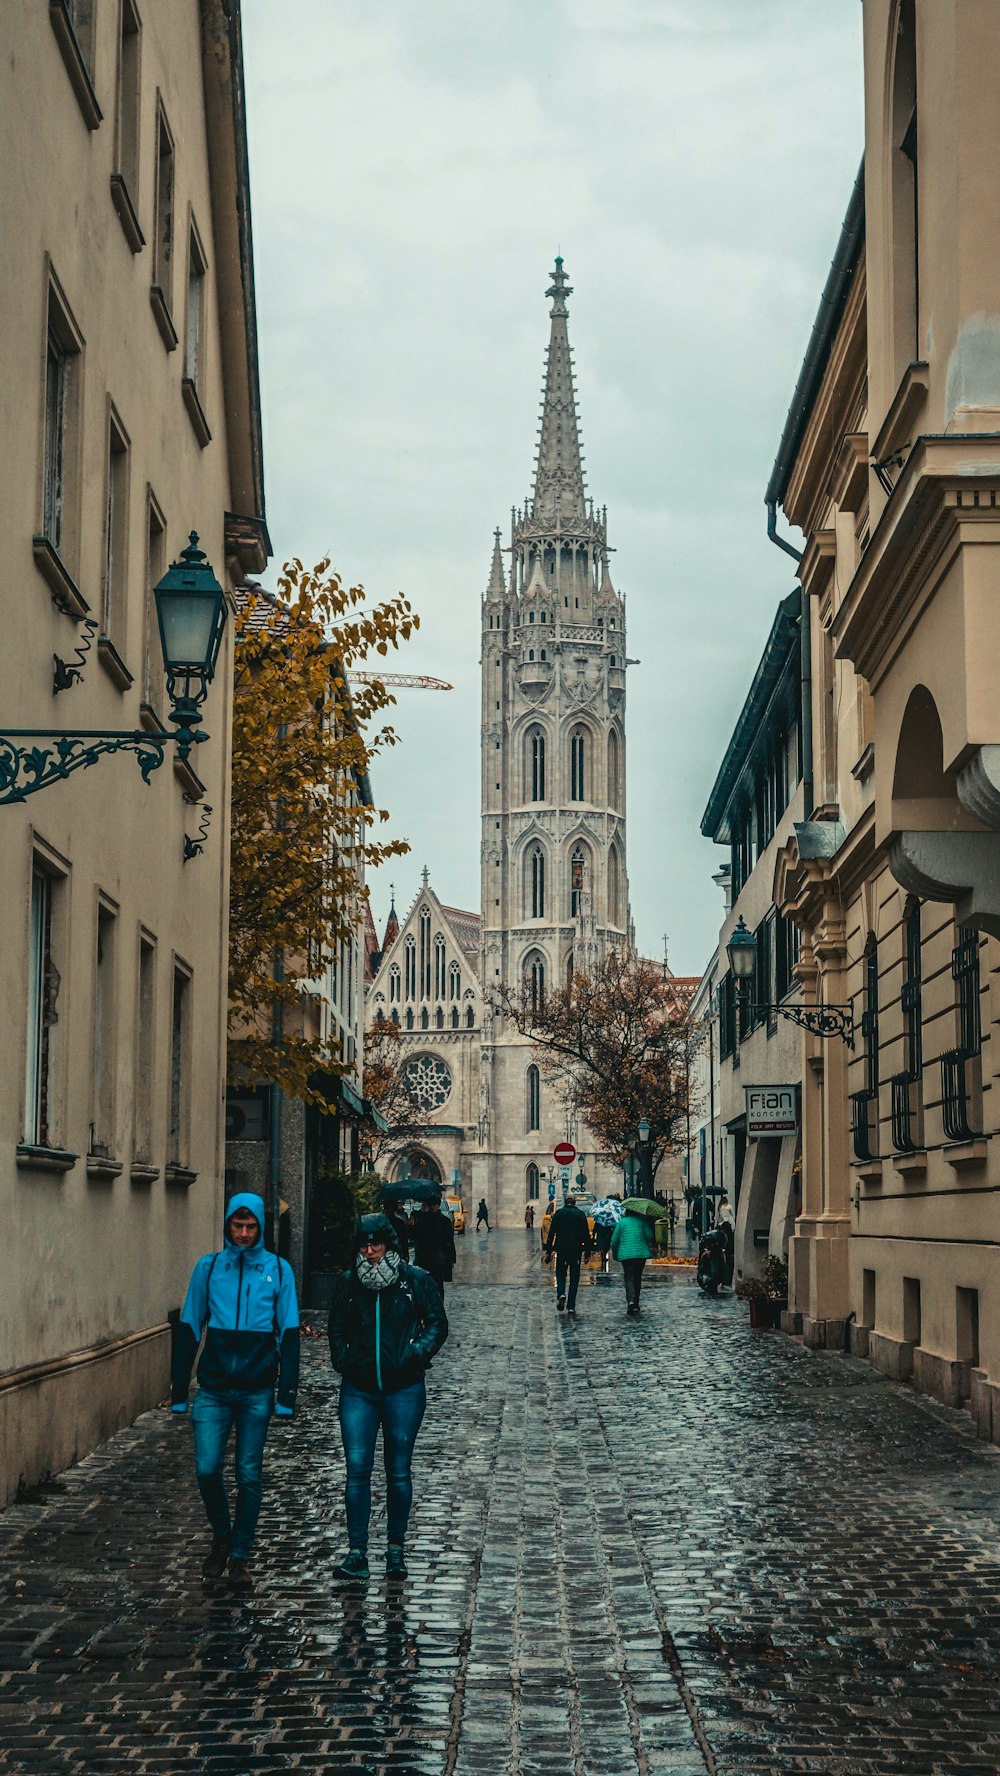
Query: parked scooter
[712,1260]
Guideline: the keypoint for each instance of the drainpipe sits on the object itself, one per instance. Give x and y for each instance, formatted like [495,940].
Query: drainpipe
[805,701]
[772,531]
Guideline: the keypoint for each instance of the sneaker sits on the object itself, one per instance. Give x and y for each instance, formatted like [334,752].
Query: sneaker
[561,1302]
[354,1565]
[395,1565]
[239,1574]
[214,1563]
[571,1310]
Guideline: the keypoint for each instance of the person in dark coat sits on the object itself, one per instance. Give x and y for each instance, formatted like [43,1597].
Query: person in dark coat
[569,1237]
[482,1214]
[434,1242]
[395,1212]
[387,1321]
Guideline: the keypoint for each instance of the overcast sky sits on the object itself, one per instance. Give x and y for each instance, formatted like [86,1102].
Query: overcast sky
[414,171]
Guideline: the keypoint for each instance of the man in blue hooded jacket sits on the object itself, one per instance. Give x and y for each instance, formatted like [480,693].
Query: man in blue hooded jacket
[243,1300]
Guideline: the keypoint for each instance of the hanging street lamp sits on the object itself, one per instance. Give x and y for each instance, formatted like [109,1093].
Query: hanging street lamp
[819,1020]
[191,613]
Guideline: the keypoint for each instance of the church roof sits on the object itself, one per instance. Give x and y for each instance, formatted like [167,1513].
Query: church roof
[373,955]
[559,490]
[467,927]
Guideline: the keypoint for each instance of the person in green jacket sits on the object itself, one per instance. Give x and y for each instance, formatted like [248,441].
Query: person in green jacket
[632,1244]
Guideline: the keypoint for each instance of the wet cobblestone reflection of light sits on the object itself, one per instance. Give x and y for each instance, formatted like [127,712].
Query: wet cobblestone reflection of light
[638,1548]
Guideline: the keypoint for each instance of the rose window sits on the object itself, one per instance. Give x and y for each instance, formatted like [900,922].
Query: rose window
[428,1080]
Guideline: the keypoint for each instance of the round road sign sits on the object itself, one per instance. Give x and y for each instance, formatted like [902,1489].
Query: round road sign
[564,1153]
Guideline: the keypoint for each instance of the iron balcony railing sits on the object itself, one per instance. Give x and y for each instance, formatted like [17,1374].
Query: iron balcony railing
[903,1135]
[955,1097]
[861,1125]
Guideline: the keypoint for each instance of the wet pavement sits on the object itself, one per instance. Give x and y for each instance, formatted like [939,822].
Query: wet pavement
[642,1547]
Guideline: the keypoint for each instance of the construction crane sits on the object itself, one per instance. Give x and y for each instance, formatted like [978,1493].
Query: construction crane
[403,681]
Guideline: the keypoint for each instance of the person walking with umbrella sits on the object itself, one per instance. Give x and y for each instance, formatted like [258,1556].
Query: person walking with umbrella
[434,1239]
[607,1214]
[631,1244]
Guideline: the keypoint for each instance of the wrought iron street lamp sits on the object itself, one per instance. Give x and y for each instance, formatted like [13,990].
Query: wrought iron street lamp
[819,1020]
[191,612]
[645,1159]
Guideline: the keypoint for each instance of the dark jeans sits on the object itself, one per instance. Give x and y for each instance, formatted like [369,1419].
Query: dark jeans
[213,1417]
[399,1414]
[633,1279]
[571,1266]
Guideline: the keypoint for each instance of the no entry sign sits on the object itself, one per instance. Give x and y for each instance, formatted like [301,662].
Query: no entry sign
[564,1154]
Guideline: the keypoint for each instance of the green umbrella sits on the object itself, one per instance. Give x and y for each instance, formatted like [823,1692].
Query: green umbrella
[641,1205]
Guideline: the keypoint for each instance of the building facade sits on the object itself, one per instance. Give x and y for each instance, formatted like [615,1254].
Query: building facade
[757,798]
[131,417]
[554,877]
[890,465]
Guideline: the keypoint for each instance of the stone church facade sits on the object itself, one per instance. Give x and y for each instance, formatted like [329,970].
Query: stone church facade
[554,894]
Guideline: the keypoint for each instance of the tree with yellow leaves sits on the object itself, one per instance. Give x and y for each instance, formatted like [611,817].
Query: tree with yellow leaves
[302,819]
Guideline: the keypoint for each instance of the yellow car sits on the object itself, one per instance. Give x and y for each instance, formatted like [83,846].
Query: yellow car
[583,1201]
[456,1209]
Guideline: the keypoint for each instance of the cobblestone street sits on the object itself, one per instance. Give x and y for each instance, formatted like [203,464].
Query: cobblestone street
[669,1545]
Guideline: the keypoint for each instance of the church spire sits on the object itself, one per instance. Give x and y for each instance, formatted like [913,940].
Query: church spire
[559,492]
[497,587]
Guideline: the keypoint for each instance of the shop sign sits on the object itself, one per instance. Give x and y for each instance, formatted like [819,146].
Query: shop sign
[771,1110]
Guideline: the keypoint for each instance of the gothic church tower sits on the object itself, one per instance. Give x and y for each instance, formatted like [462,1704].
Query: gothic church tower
[554,881]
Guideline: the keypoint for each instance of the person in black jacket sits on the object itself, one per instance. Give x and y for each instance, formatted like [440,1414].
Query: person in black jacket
[569,1233]
[387,1321]
[434,1242]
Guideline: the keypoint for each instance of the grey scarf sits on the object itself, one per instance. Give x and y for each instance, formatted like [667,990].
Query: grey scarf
[381,1275]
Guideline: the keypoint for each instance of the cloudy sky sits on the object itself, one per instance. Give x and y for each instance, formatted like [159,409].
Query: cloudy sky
[414,171]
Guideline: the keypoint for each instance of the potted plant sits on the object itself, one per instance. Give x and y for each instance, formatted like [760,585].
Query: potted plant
[766,1295]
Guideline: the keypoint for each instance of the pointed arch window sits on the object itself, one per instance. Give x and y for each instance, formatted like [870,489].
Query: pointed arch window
[409,1017]
[531,1183]
[534,765]
[425,953]
[569,971]
[440,968]
[577,881]
[394,984]
[578,765]
[535,884]
[534,980]
[454,981]
[470,1017]
[614,888]
[410,967]
[424,1017]
[395,1016]
[454,1017]
[439,1018]
[614,768]
[533,1106]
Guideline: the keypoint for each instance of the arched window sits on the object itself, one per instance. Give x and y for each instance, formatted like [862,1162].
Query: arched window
[534,980]
[535,883]
[439,1018]
[614,770]
[409,1017]
[380,1016]
[531,1183]
[470,1017]
[425,953]
[533,1105]
[424,1018]
[531,651]
[395,1017]
[410,967]
[578,765]
[614,888]
[394,984]
[439,967]
[577,881]
[454,981]
[534,765]
[569,971]
[454,1017]
[543,655]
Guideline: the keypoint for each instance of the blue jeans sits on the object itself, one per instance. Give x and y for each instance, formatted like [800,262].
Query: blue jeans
[213,1417]
[399,1414]
[572,1266]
